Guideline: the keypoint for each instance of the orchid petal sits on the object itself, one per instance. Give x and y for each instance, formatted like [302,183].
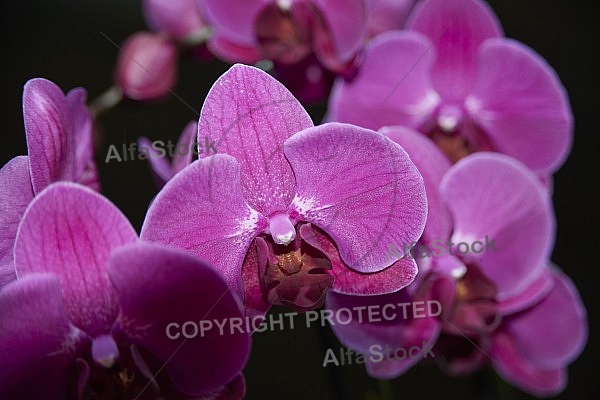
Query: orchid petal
[347,281]
[422,332]
[364,203]
[520,102]
[160,165]
[234,19]
[432,164]
[179,18]
[51,146]
[232,52]
[346,23]
[159,286]
[15,195]
[36,339]
[562,317]
[458,28]
[495,199]
[186,139]
[254,303]
[396,328]
[528,297]
[517,370]
[387,15]
[392,86]
[202,209]
[250,115]
[85,170]
[70,230]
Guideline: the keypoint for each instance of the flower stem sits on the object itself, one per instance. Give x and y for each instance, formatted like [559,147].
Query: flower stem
[197,38]
[107,100]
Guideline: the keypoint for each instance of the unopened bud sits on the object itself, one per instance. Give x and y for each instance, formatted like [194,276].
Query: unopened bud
[147,66]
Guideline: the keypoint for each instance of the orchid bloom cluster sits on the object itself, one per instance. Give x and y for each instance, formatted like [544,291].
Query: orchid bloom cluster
[439,129]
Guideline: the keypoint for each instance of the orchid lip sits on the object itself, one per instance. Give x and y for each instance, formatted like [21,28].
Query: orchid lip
[282,230]
[105,351]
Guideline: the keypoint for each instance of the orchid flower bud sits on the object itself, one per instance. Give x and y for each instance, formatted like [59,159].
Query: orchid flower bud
[147,66]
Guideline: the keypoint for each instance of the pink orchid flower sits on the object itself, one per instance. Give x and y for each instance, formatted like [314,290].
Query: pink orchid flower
[60,146]
[455,78]
[494,304]
[290,210]
[88,315]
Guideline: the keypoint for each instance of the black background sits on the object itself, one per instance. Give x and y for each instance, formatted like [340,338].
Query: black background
[61,40]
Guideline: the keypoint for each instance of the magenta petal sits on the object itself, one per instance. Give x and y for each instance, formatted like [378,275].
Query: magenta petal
[202,209]
[85,171]
[186,139]
[395,329]
[15,195]
[254,304]
[395,277]
[346,23]
[360,334]
[492,195]
[159,286]
[392,86]
[348,281]
[526,298]
[70,230]
[250,115]
[433,165]
[36,339]
[562,318]
[458,28]
[520,102]
[233,18]
[232,52]
[387,15]
[418,332]
[51,146]
[159,164]
[364,203]
[179,18]
[517,370]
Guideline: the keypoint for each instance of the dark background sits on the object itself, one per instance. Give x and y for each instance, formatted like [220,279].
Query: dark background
[61,40]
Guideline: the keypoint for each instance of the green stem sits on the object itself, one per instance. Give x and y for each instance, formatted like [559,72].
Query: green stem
[107,100]
[197,38]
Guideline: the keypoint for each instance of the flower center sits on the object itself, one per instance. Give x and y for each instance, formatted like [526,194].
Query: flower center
[114,373]
[293,275]
[281,228]
[105,351]
[475,309]
[280,34]
[456,135]
[449,118]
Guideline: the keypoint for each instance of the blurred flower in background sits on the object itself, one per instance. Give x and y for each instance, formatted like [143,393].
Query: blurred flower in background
[508,308]
[452,76]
